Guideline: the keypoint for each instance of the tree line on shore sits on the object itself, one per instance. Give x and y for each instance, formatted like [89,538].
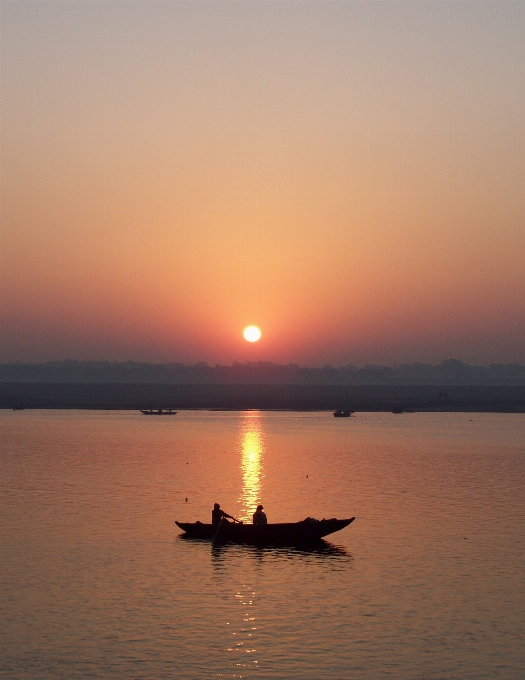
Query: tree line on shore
[449,372]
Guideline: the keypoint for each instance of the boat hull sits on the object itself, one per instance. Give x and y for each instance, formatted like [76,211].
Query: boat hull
[284,533]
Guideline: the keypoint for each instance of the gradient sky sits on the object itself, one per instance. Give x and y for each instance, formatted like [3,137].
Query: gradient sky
[349,176]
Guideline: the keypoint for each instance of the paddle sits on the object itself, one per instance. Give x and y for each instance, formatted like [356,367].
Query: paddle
[235,520]
[218,529]
[220,524]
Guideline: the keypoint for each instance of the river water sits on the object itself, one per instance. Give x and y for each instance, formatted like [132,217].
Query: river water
[96,582]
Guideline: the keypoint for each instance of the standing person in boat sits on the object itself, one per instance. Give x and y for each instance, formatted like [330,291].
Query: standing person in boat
[259,517]
[217,514]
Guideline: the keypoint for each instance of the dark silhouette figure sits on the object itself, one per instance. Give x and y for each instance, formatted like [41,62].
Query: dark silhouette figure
[259,517]
[217,514]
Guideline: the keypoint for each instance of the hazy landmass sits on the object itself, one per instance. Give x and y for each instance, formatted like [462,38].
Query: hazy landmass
[450,372]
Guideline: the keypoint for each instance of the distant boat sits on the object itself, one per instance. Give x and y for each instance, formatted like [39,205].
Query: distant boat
[158,411]
[398,409]
[284,534]
[342,414]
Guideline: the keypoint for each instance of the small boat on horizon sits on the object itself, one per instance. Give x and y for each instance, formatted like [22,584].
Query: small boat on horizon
[342,414]
[285,533]
[158,411]
[401,409]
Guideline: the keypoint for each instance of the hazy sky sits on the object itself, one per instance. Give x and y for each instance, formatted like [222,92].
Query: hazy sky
[349,176]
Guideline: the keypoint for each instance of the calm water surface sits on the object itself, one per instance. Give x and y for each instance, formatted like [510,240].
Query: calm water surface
[96,582]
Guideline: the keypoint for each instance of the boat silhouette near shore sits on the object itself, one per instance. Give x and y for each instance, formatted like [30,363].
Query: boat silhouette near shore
[158,411]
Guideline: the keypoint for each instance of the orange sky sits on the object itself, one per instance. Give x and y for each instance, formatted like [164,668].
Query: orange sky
[349,176]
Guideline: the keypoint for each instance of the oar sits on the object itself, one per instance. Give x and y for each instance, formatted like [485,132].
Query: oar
[218,529]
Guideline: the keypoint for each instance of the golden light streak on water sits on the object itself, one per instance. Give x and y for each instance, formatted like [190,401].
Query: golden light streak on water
[252,449]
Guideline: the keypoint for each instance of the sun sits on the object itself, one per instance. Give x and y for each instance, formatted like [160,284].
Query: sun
[251,333]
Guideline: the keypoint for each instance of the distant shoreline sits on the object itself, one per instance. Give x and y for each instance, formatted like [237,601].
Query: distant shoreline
[127,396]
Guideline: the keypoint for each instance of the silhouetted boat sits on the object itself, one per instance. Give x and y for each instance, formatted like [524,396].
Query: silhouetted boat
[291,533]
[342,414]
[158,411]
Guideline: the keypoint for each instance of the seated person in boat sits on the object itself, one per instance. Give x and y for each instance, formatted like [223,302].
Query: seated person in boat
[217,514]
[259,517]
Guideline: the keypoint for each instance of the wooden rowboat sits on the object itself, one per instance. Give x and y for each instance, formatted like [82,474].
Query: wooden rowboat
[290,533]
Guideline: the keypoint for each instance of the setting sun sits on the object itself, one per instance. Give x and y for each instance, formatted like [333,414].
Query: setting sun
[252,333]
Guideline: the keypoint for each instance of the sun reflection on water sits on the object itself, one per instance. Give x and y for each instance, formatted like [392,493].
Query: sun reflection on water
[251,445]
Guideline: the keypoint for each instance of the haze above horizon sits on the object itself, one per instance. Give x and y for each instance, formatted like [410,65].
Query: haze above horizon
[347,176]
